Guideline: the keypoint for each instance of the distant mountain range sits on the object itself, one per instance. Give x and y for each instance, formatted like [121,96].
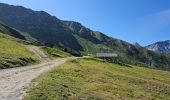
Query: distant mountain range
[161,47]
[40,26]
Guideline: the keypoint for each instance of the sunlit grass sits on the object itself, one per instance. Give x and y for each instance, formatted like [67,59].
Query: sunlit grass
[93,79]
[55,52]
[13,53]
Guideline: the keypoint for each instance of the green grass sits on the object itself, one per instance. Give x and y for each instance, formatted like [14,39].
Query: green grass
[55,52]
[13,53]
[92,79]
[89,47]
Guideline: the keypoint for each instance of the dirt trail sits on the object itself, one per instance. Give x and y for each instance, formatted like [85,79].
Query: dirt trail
[37,52]
[13,81]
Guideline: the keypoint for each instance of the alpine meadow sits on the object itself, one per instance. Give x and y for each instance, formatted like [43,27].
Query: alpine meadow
[47,54]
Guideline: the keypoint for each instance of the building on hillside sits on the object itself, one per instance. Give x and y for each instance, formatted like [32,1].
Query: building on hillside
[111,57]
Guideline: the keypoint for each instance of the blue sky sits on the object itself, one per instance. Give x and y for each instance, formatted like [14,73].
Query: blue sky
[142,21]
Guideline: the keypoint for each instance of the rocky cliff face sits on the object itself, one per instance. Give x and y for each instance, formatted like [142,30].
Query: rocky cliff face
[161,47]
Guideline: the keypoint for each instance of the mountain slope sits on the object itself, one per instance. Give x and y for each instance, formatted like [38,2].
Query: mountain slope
[69,34]
[7,30]
[39,25]
[47,28]
[15,33]
[162,47]
[13,53]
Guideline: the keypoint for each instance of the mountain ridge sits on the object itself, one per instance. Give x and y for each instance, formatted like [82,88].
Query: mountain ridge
[70,34]
[161,47]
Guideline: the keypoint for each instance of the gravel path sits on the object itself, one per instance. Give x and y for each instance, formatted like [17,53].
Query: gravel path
[13,81]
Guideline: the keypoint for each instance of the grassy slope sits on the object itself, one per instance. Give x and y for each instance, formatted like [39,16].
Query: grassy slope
[55,52]
[13,53]
[94,79]
[91,48]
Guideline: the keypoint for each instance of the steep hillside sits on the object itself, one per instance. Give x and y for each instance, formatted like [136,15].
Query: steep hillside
[92,79]
[13,53]
[161,47]
[39,24]
[16,33]
[7,30]
[50,29]
[69,34]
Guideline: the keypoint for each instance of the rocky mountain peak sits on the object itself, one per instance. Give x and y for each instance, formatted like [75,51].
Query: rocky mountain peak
[161,47]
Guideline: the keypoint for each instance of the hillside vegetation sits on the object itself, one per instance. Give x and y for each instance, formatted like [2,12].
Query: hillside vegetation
[55,52]
[93,79]
[7,30]
[13,53]
[69,34]
[15,33]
